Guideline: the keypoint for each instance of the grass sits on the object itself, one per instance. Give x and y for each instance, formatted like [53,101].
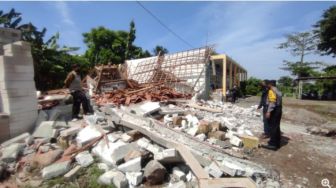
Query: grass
[86,178]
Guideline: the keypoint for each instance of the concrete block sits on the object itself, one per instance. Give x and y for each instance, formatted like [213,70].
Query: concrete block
[105,152]
[133,165]
[134,178]
[179,174]
[55,170]
[168,156]
[119,153]
[87,134]
[214,170]
[45,130]
[84,159]
[10,153]
[234,140]
[72,173]
[117,178]
[149,107]
[250,142]
[70,131]
[154,172]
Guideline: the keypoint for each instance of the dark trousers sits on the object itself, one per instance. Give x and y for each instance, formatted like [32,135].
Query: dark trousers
[274,124]
[79,98]
[266,121]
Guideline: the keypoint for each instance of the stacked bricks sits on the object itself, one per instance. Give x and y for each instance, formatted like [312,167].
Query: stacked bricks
[17,86]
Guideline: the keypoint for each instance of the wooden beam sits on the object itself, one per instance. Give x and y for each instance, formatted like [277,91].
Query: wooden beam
[191,161]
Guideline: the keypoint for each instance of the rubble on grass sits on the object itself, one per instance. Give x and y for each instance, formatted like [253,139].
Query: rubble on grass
[129,157]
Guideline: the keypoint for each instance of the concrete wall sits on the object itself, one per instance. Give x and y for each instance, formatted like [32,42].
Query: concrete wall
[17,86]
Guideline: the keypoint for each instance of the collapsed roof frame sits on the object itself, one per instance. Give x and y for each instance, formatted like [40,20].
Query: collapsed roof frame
[183,71]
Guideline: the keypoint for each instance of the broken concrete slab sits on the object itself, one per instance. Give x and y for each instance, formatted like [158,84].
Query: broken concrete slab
[149,107]
[72,173]
[133,165]
[87,134]
[84,159]
[154,172]
[136,153]
[10,153]
[134,178]
[45,130]
[56,169]
[214,170]
[119,153]
[16,139]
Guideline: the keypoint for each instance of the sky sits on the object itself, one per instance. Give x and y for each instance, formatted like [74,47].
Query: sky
[249,32]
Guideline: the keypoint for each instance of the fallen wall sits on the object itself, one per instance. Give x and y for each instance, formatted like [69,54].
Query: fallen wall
[17,86]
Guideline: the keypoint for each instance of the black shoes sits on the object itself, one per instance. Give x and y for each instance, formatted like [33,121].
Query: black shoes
[270,147]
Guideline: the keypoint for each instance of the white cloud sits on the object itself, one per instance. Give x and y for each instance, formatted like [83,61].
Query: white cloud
[63,9]
[70,34]
[250,32]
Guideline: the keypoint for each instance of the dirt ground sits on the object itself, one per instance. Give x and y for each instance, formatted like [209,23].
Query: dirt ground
[304,159]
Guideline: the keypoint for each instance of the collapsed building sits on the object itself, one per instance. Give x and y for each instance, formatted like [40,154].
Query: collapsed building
[154,123]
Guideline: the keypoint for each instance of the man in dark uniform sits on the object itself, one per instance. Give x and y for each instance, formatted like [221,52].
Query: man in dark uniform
[73,82]
[263,105]
[274,113]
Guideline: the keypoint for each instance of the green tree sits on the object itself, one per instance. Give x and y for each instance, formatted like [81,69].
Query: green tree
[253,86]
[285,81]
[161,49]
[51,62]
[326,31]
[105,45]
[300,45]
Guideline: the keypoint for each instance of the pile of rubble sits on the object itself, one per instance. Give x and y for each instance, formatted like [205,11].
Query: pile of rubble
[150,143]
[138,93]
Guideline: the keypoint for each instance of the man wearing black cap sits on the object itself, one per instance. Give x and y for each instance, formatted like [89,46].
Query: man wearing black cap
[274,113]
[73,82]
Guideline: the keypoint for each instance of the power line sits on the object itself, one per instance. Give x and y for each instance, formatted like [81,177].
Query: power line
[164,25]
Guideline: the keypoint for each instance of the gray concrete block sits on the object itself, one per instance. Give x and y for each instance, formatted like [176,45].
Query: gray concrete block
[55,170]
[10,153]
[133,165]
[84,159]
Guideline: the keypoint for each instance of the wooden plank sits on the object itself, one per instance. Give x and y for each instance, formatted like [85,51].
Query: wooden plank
[192,162]
[227,183]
